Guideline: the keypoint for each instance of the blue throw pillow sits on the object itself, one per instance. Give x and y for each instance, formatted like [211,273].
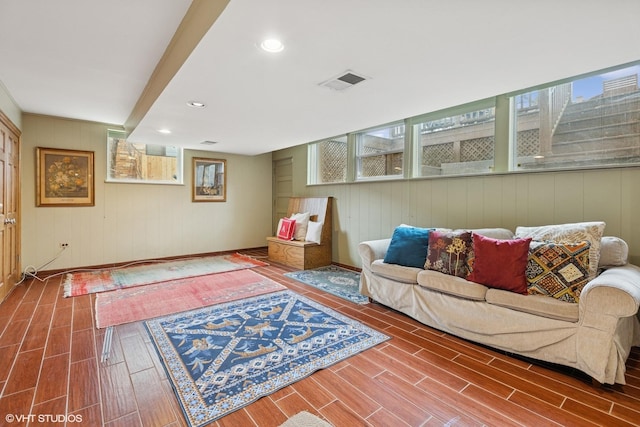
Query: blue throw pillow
[408,246]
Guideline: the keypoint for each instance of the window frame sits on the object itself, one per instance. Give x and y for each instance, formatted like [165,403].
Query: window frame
[459,110]
[313,160]
[515,167]
[505,141]
[179,163]
[355,159]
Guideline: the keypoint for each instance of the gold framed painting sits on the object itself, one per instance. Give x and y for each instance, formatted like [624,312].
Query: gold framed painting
[64,177]
[209,180]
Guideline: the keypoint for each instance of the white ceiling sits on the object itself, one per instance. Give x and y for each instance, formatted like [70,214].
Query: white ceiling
[91,60]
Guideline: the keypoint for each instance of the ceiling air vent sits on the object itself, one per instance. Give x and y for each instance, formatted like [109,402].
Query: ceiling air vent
[343,81]
[209,142]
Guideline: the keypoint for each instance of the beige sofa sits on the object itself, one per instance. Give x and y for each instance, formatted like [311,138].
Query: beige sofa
[594,335]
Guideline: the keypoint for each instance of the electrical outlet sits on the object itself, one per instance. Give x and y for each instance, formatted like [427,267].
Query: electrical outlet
[64,245]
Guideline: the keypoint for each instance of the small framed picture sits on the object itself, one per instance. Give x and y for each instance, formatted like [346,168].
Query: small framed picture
[64,177]
[209,180]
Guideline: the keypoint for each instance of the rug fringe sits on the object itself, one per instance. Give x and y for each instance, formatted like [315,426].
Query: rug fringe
[67,285]
[106,346]
[253,258]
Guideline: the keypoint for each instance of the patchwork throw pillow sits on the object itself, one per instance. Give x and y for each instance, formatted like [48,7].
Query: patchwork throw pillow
[448,252]
[570,233]
[500,263]
[314,232]
[408,246]
[285,228]
[558,270]
[302,222]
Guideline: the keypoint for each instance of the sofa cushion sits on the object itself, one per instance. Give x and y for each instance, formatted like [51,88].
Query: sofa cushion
[558,270]
[448,252]
[534,304]
[395,272]
[408,246]
[451,285]
[570,233]
[494,233]
[500,263]
[614,252]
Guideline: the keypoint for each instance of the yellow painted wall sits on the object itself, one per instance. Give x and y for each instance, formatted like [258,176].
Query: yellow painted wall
[365,211]
[137,221]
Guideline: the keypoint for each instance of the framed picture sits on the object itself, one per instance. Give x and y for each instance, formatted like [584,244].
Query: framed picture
[64,177]
[209,180]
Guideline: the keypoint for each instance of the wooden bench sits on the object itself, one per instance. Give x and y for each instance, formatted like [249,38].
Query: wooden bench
[305,255]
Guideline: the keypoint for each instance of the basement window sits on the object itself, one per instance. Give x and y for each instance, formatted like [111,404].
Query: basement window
[130,162]
[585,122]
[380,152]
[581,122]
[460,142]
[327,161]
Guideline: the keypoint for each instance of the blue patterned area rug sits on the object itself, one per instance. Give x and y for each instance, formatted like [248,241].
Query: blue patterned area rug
[223,357]
[335,280]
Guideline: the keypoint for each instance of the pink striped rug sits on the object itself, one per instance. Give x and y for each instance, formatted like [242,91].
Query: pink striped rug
[160,299]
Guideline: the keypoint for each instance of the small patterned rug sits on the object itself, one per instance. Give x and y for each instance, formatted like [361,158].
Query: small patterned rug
[335,280]
[160,299]
[117,278]
[224,357]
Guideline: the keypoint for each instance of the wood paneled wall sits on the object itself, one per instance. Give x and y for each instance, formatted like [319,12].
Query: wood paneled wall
[138,221]
[365,211]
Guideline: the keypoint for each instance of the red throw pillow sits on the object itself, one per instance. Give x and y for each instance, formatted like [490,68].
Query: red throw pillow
[286,227]
[500,263]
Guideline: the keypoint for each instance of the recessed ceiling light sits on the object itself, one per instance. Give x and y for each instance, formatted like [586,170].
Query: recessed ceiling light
[272,45]
[165,131]
[196,104]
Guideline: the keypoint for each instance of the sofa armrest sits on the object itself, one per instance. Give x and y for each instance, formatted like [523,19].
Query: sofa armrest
[615,292]
[372,250]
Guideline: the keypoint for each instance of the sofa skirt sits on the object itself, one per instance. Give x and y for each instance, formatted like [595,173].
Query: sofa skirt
[600,354]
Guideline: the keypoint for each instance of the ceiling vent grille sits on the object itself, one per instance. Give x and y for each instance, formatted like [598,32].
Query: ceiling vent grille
[344,80]
[209,142]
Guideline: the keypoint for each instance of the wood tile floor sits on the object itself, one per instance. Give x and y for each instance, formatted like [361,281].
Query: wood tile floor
[51,374]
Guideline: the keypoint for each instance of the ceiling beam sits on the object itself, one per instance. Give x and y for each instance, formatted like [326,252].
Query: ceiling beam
[199,18]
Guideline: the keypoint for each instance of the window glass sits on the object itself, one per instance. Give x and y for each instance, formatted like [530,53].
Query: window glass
[587,121]
[328,161]
[591,121]
[379,152]
[456,144]
[142,163]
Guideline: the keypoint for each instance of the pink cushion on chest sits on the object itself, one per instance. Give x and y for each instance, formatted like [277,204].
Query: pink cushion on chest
[286,227]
